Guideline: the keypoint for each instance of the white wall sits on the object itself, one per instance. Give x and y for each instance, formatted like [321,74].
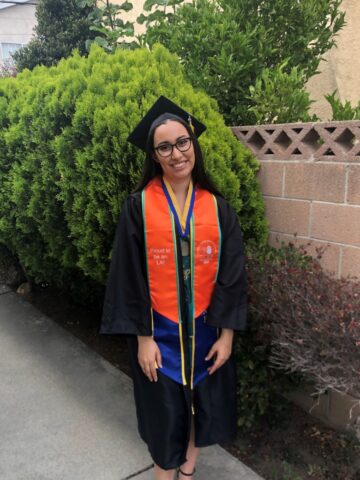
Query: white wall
[16,25]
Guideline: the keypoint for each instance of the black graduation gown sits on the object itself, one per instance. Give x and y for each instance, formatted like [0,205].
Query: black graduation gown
[164,407]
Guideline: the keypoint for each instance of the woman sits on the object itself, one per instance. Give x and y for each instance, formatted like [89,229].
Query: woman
[177,288]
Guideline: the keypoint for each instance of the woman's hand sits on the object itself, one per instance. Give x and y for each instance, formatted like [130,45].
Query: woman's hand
[221,349]
[149,357]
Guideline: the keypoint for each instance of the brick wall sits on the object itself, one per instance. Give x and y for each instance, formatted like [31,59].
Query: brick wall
[310,179]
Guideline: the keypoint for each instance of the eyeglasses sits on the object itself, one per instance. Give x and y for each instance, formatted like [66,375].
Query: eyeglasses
[166,149]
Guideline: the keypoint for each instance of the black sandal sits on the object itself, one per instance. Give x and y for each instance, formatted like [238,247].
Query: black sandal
[186,474]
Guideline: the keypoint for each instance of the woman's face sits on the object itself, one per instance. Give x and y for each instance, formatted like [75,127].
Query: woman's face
[179,164]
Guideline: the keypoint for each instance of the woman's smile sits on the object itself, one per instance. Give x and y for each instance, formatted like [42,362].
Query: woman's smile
[178,165]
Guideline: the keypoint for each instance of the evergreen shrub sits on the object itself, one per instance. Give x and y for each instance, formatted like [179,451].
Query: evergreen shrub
[61,26]
[66,167]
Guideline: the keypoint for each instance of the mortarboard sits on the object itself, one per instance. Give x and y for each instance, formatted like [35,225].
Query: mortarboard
[138,136]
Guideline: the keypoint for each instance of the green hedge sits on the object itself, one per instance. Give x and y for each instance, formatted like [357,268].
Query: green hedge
[65,165]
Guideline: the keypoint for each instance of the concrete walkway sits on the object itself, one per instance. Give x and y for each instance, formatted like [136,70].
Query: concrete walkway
[68,414]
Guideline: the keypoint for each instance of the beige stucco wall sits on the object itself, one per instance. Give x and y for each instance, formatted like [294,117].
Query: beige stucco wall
[17,24]
[137,8]
[341,69]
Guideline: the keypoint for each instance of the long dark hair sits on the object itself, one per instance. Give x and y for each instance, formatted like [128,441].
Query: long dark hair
[152,169]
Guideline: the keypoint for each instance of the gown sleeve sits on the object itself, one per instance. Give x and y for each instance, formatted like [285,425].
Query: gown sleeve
[126,307]
[228,306]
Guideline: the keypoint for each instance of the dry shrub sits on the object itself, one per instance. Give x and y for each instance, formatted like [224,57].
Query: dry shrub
[310,320]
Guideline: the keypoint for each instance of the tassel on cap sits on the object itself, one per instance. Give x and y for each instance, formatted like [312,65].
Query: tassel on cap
[190,123]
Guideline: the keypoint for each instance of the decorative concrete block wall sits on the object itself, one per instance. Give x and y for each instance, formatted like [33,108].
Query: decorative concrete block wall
[310,179]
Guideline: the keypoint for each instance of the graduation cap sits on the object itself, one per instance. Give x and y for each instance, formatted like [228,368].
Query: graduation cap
[139,135]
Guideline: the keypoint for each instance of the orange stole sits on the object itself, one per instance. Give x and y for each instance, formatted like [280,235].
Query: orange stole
[206,249]
[162,253]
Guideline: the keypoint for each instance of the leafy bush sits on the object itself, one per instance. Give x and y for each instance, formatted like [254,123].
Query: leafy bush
[259,387]
[226,44]
[66,167]
[342,111]
[280,97]
[106,20]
